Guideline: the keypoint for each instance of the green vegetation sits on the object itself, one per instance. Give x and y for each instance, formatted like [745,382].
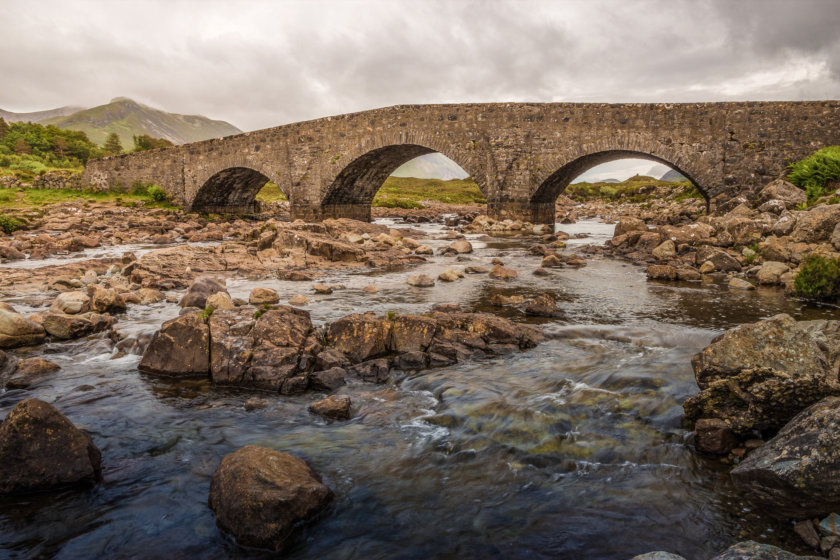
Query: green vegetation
[156,193]
[113,146]
[637,189]
[28,150]
[813,173]
[8,224]
[271,193]
[265,307]
[819,279]
[410,192]
[35,198]
[208,311]
[145,142]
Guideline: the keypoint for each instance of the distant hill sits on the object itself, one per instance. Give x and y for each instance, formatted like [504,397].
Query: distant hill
[128,119]
[610,181]
[431,166]
[38,116]
[674,176]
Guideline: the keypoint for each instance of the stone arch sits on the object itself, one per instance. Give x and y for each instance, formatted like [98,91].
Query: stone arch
[371,163]
[231,190]
[552,181]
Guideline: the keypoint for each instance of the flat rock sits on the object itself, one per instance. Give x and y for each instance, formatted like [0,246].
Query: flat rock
[334,407]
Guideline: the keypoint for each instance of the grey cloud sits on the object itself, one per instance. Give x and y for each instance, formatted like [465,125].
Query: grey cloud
[260,64]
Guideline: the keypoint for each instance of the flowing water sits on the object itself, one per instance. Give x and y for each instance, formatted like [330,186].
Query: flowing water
[574,449]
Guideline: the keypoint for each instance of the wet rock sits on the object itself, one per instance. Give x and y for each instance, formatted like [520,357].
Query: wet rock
[543,306]
[542,272]
[758,376]
[771,272]
[322,289]
[661,272]
[830,526]
[260,296]
[30,371]
[220,301]
[360,337]
[371,289]
[254,404]
[502,273]
[712,435]
[16,330]
[707,267]
[665,251]
[42,450]
[334,407]
[628,224]
[688,275]
[658,555]
[412,361]
[263,352]
[421,281]
[722,261]
[328,379]
[181,348]
[10,253]
[106,300]
[750,550]
[806,530]
[411,333]
[475,270]
[202,288]
[298,299]
[552,261]
[67,327]
[461,246]
[794,475]
[424,250]
[450,275]
[261,496]
[373,371]
[740,284]
[71,303]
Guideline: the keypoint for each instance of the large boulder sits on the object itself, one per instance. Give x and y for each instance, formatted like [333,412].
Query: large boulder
[787,193]
[181,348]
[771,272]
[360,337]
[795,474]
[71,303]
[628,224]
[40,449]
[68,327]
[758,376]
[16,330]
[260,496]
[817,224]
[272,351]
[411,333]
[106,300]
[202,288]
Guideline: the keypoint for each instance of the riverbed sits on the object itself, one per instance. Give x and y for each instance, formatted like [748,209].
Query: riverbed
[574,449]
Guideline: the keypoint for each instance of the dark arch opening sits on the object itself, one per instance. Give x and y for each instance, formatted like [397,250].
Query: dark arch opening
[557,182]
[230,191]
[352,192]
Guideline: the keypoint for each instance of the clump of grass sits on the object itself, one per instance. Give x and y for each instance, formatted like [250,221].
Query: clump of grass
[391,315]
[813,173]
[819,279]
[156,193]
[208,311]
[10,224]
[265,307]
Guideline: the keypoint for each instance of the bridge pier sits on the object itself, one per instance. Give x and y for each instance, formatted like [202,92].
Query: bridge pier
[318,212]
[526,211]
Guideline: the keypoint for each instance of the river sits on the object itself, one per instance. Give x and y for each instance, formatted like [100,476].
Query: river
[574,449]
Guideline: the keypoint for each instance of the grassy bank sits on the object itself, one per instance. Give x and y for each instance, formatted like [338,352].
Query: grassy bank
[25,199]
[636,189]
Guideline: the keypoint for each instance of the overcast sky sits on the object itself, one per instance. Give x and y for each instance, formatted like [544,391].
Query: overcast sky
[260,64]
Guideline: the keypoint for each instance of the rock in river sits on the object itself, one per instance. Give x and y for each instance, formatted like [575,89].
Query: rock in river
[40,449]
[795,475]
[202,288]
[181,348]
[758,376]
[260,496]
[16,330]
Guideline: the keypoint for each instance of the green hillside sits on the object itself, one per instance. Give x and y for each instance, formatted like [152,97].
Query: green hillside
[128,118]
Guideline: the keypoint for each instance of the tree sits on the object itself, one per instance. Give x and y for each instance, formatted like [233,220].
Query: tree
[146,142]
[113,146]
[4,127]
[22,147]
[59,146]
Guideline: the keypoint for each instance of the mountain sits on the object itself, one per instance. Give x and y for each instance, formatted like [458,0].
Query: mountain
[431,166]
[673,176]
[609,181]
[38,116]
[128,119]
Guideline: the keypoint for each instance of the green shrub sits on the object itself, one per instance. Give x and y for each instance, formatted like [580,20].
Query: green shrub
[819,279]
[813,173]
[208,311]
[156,193]
[9,224]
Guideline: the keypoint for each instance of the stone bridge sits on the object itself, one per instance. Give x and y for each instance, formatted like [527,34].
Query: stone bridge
[521,155]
